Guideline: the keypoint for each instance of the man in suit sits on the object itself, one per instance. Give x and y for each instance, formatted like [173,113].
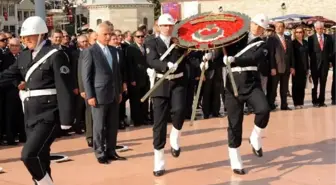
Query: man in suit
[284,58]
[138,79]
[83,43]
[103,87]
[13,114]
[320,52]
[333,85]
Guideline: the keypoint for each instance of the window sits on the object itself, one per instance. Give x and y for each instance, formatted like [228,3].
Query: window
[12,29]
[11,10]
[1,9]
[25,14]
[145,21]
[5,28]
[32,13]
[20,16]
[99,21]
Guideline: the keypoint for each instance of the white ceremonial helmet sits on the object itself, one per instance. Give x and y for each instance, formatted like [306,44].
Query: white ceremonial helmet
[34,25]
[261,20]
[166,19]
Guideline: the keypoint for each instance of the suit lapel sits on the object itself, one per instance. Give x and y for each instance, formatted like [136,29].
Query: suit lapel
[162,43]
[324,41]
[40,54]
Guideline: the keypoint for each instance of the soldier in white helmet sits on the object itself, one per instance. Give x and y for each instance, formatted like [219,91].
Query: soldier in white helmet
[253,51]
[170,96]
[47,96]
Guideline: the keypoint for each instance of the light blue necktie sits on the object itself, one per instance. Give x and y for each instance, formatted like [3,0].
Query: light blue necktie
[108,56]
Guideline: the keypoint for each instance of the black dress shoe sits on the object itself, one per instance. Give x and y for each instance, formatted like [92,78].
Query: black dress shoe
[322,105]
[258,153]
[175,153]
[122,126]
[315,105]
[103,160]
[90,143]
[285,108]
[116,157]
[239,171]
[158,173]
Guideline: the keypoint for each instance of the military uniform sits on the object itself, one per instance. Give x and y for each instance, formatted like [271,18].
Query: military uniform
[248,54]
[47,103]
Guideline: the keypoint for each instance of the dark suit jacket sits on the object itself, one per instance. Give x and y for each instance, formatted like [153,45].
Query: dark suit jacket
[155,49]
[74,65]
[8,60]
[284,58]
[137,65]
[99,80]
[320,59]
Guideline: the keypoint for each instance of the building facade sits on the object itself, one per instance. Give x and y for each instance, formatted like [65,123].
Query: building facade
[124,14]
[273,8]
[8,15]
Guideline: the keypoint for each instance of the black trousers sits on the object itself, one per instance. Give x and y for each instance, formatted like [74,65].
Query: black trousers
[105,128]
[299,81]
[88,122]
[161,108]
[139,110]
[36,151]
[319,80]
[333,92]
[235,110]
[211,97]
[13,115]
[283,78]
[122,107]
[80,112]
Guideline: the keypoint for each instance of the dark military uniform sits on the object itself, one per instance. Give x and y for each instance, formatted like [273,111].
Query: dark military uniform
[43,112]
[247,78]
[171,93]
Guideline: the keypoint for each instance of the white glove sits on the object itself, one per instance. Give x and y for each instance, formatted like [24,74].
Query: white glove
[172,66]
[205,64]
[150,72]
[207,56]
[228,59]
[65,127]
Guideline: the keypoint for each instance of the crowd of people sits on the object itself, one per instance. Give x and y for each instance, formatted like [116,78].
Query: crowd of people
[90,59]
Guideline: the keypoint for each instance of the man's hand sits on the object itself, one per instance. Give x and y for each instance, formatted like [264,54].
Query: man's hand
[22,85]
[76,91]
[83,95]
[273,72]
[172,66]
[120,98]
[292,71]
[92,102]
[124,87]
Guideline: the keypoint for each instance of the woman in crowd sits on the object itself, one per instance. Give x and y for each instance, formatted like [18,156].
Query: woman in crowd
[301,67]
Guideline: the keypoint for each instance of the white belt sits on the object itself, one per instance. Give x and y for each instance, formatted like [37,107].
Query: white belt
[34,93]
[242,69]
[171,77]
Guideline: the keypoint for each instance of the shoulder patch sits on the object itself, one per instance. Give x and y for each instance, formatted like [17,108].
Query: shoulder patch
[64,70]
[265,52]
[147,50]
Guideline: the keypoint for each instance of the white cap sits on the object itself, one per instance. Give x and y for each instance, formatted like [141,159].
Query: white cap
[166,19]
[261,20]
[34,25]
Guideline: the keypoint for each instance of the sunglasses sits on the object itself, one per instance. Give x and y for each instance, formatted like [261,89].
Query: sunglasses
[140,36]
[3,40]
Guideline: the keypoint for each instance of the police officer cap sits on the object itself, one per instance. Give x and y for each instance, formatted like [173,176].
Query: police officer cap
[270,27]
[34,25]
[166,19]
[261,20]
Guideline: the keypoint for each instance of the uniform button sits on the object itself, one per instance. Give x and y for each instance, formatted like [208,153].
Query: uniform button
[48,101]
[27,89]
[27,99]
[31,78]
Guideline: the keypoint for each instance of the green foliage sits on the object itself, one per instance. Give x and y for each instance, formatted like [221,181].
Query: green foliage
[157,8]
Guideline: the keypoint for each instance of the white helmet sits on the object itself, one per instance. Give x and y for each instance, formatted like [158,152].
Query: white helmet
[166,19]
[34,25]
[261,20]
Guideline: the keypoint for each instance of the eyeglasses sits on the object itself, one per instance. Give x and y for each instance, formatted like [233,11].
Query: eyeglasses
[4,40]
[140,36]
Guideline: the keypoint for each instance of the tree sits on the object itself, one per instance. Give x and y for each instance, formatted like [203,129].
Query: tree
[157,8]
